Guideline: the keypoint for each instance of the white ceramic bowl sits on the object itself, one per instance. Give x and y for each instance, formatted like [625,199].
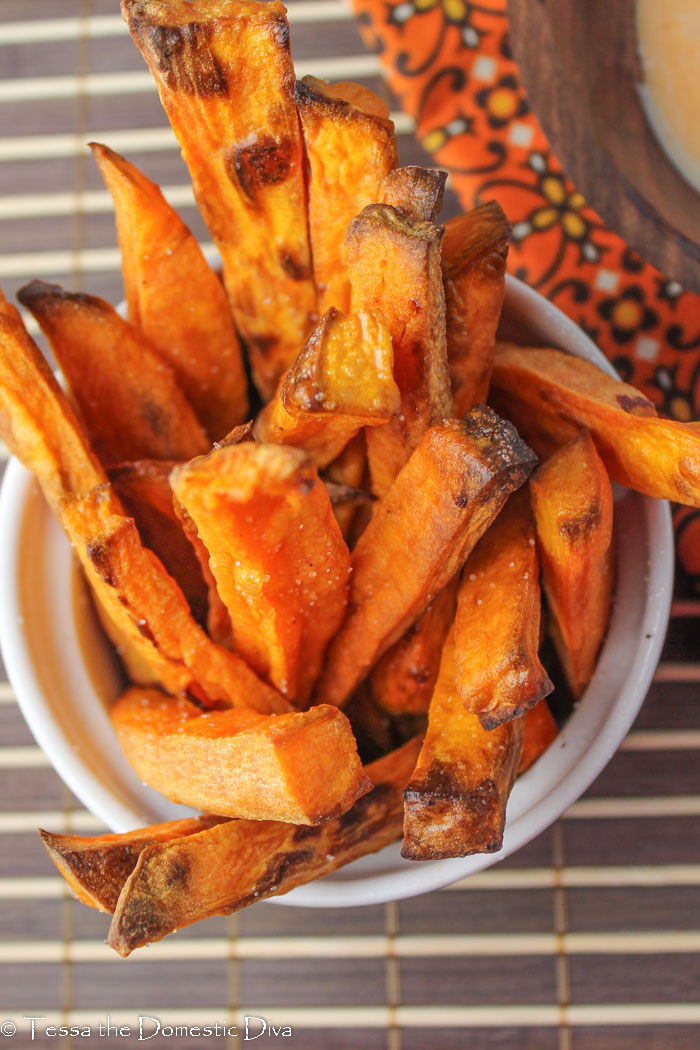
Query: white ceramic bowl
[65,676]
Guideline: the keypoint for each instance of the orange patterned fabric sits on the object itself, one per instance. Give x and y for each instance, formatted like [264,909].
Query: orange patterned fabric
[450,65]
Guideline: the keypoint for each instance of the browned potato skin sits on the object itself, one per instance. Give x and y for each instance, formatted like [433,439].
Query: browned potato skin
[128,396]
[497,628]
[539,730]
[394,266]
[341,381]
[404,679]
[278,557]
[96,868]
[225,77]
[573,506]
[214,873]
[455,801]
[417,192]
[474,253]
[450,490]
[551,395]
[144,489]
[301,766]
[175,298]
[350,147]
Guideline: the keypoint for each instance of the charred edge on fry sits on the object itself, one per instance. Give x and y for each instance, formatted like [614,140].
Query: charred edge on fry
[183,58]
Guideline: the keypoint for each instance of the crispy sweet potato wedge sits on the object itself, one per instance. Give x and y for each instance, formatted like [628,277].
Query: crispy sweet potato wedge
[455,801]
[450,490]
[148,617]
[178,883]
[38,423]
[404,679]
[175,298]
[341,381]
[418,192]
[278,557]
[539,730]
[144,610]
[474,252]
[573,506]
[127,395]
[144,490]
[551,395]
[394,266]
[497,629]
[350,147]
[300,767]
[97,868]
[225,77]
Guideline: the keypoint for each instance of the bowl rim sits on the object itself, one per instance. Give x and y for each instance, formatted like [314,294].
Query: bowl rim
[591,754]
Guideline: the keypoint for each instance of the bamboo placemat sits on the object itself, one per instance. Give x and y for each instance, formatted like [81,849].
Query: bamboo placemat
[587,939]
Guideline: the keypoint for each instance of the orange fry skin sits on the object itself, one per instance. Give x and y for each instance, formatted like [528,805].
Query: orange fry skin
[341,381]
[455,801]
[220,872]
[225,78]
[128,396]
[394,266]
[551,395]
[497,629]
[301,767]
[278,557]
[96,868]
[474,252]
[450,490]
[539,730]
[573,506]
[348,469]
[350,147]
[175,298]
[404,679]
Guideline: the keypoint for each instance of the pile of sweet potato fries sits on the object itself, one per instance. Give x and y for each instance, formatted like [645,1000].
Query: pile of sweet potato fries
[346,550]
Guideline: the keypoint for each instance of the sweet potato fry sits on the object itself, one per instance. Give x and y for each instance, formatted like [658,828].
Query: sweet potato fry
[455,801]
[497,629]
[144,610]
[573,507]
[417,192]
[37,422]
[277,554]
[341,381]
[551,395]
[175,298]
[300,767]
[474,251]
[450,490]
[394,266]
[350,147]
[96,868]
[225,77]
[145,492]
[128,397]
[217,872]
[404,679]
[539,730]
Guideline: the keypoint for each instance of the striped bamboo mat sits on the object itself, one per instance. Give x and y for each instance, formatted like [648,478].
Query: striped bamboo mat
[588,938]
